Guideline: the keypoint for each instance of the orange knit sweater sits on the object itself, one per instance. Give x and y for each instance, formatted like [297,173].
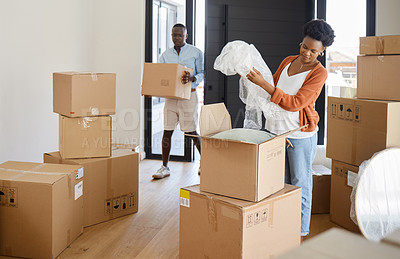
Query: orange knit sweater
[305,98]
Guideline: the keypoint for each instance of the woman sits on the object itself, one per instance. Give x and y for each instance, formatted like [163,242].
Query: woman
[299,81]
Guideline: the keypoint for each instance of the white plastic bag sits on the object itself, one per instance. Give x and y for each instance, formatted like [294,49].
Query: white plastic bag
[239,57]
[375,199]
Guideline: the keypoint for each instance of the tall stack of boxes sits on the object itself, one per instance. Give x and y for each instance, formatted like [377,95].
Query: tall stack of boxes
[85,102]
[359,127]
[242,208]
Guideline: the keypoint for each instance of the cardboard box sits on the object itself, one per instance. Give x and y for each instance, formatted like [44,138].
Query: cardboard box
[80,94]
[238,169]
[111,184]
[379,45]
[85,137]
[165,80]
[213,226]
[339,243]
[378,77]
[41,208]
[321,194]
[342,182]
[358,128]
[393,238]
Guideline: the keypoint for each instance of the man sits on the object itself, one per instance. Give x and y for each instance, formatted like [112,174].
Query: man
[184,112]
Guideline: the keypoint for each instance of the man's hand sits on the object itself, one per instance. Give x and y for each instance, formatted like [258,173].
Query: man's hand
[187,77]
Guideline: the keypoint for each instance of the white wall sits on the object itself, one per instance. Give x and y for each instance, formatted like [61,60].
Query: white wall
[43,36]
[119,47]
[387,17]
[37,38]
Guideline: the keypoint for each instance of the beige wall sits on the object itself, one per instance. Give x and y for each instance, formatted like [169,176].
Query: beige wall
[387,17]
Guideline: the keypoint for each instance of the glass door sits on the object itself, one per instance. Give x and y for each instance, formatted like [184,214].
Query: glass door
[164,16]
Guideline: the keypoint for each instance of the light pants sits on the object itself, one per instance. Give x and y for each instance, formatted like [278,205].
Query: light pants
[298,172]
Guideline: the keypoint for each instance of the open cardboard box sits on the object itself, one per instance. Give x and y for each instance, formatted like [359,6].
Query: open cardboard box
[238,169]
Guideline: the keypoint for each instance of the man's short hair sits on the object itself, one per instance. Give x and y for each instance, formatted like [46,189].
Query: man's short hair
[179,25]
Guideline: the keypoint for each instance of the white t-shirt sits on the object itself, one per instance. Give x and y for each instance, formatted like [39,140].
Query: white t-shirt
[284,120]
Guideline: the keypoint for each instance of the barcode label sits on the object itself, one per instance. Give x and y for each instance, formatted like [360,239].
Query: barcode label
[185,202]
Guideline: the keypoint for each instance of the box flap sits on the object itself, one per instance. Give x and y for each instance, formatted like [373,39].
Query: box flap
[285,134]
[214,118]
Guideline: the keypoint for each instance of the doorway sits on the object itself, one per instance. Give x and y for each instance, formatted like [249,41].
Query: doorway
[161,15]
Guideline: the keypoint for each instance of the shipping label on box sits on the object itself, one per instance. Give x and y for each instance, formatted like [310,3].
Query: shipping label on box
[358,128]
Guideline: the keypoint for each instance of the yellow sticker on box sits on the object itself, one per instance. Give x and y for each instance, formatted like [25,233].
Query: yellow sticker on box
[185,198]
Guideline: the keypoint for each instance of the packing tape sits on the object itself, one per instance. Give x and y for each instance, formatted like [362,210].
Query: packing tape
[85,122]
[94,76]
[212,215]
[94,111]
[380,45]
[23,172]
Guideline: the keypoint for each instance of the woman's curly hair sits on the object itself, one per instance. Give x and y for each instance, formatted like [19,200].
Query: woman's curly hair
[319,30]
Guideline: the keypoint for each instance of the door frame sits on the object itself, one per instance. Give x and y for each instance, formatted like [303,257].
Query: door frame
[370,31]
[188,147]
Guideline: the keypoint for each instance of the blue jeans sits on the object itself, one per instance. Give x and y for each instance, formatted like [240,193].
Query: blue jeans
[298,172]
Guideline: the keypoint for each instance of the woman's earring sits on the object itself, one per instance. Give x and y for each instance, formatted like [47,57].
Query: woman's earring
[301,43]
[321,54]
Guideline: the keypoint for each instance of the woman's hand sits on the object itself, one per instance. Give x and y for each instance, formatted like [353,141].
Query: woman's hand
[257,78]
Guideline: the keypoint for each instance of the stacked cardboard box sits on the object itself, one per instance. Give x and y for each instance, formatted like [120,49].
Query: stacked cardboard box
[242,208]
[321,193]
[359,127]
[84,102]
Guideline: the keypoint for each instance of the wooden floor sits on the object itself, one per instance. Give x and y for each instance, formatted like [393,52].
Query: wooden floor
[153,231]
